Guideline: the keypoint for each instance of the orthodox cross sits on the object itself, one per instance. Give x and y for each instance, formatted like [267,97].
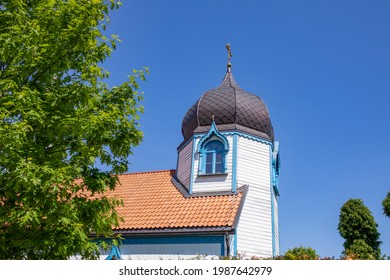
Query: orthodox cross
[229,52]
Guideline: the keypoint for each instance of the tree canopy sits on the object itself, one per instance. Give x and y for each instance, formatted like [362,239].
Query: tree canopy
[360,231]
[386,205]
[60,121]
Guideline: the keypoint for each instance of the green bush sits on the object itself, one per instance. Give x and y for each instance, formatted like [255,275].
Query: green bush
[300,253]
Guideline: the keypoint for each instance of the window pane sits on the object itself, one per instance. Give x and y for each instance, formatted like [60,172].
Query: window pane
[218,168]
[209,158]
[219,148]
[215,146]
[218,158]
[214,157]
[209,168]
[210,147]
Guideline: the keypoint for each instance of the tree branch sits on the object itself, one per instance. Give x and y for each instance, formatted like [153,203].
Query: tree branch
[48,67]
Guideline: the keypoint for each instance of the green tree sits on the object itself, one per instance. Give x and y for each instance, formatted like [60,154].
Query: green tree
[386,205]
[359,229]
[359,249]
[58,119]
[300,253]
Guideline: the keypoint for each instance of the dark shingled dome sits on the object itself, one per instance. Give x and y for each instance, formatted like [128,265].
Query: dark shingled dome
[233,109]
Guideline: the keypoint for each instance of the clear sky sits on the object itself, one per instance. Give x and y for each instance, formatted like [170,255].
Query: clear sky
[323,70]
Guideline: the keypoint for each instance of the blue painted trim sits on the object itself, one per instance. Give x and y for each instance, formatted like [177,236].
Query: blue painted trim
[275,168]
[192,167]
[272,207]
[203,159]
[257,139]
[276,157]
[234,163]
[214,239]
[235,244]
[222,246]
[213,132]
[115,254]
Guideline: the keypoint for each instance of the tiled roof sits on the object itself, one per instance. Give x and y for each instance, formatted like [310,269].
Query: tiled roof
[151,202]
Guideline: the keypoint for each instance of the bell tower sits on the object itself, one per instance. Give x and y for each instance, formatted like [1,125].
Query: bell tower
[228,146]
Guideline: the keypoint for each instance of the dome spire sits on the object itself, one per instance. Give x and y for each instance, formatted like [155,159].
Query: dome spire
[229,65]
[234,109]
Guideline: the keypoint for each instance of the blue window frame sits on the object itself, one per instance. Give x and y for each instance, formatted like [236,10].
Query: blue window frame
[213,149]
[214,157]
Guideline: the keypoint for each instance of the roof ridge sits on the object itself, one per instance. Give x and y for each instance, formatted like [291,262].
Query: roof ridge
[148,172]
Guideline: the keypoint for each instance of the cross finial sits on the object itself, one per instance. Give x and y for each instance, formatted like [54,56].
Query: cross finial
[229,56]
[229,52]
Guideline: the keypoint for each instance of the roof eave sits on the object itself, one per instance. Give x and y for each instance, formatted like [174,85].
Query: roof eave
[175,231]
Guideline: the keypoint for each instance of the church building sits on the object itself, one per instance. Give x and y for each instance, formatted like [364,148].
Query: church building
[222,199]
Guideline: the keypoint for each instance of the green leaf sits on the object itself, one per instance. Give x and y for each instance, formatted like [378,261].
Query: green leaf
[59,118]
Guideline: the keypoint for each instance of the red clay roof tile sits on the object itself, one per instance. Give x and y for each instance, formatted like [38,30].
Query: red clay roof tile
[151,201]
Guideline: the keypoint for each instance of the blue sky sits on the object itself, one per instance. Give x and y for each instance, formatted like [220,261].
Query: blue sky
[321,67]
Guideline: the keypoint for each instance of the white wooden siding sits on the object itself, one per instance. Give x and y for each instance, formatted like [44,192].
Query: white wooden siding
[276,226]
[214,183]
[254,230]
[184,164]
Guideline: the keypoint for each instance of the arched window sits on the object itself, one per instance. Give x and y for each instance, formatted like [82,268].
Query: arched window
[214,154]
[212,150]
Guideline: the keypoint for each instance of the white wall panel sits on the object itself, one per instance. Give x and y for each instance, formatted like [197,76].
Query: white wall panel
[184,165]
[257,231]
[276,226]
[255,224]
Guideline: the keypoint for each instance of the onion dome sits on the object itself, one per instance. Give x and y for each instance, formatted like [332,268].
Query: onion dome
[232,108]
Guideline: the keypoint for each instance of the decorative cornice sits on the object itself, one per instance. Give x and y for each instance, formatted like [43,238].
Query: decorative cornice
[213,132]
[247,136]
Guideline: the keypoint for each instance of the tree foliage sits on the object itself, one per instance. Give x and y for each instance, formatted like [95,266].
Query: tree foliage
[359,229]
[58,118]
[301,253]
[386,205]
[359,250]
